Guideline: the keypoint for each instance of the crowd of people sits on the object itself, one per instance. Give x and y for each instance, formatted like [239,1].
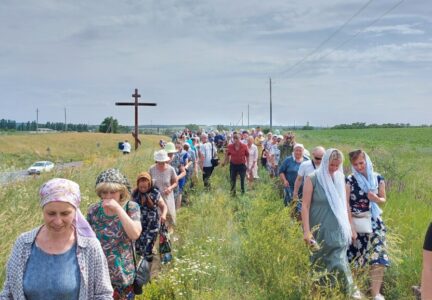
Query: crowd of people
[96,257]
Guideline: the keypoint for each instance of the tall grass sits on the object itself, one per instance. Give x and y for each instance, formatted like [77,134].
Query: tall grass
[249,247]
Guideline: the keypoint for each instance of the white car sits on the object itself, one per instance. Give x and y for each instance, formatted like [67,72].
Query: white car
[40,166]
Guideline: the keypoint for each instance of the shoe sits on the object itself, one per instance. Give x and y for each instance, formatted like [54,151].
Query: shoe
[378,297]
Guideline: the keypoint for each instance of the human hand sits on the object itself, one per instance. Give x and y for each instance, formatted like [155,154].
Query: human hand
[372,196]
[163,219]
[286,184]
[167,191]
[111,204]
[353,235]
[307,237]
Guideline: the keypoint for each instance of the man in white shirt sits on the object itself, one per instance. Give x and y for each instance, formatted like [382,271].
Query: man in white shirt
[308,167]
[206,153]
[126,147]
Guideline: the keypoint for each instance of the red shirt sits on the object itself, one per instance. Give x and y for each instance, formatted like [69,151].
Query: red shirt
[239,156]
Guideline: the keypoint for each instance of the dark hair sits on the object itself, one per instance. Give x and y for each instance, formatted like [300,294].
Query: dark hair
[355,154]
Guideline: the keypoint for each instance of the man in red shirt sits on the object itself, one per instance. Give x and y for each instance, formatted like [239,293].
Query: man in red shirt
[237,153]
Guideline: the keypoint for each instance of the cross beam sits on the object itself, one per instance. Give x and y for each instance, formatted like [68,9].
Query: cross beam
[136,104]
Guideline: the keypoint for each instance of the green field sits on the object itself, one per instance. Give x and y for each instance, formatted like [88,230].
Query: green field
[246,247]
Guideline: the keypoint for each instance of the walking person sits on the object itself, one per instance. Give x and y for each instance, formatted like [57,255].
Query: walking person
[165,180]
[207,152]
[116,221]
[326,221]
[61,259]
[288,171]
[153,213]
[237,154]
[366,191]
[252,162]
[306,168]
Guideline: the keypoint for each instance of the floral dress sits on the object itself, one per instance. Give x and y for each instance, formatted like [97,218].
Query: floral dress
[115,242]
[368,247]
[149,221]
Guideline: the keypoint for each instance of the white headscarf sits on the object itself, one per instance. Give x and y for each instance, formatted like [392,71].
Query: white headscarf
[334,187]
[369,184]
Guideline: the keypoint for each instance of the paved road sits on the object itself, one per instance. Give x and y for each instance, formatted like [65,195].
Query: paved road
[8,177]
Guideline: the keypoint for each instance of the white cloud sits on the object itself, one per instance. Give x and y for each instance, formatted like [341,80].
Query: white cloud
[400,29]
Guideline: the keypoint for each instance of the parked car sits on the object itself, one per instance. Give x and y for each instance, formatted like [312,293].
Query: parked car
[40,166]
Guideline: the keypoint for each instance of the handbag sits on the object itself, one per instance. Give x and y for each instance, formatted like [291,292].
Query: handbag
[362,222]
[137,283]
[164,244]
[214,161]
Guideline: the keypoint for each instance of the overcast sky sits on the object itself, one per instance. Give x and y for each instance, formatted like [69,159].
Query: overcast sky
[205,61]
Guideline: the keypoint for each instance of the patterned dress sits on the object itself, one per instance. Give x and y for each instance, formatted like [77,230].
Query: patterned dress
[115,242]
[149,221]
[368,247]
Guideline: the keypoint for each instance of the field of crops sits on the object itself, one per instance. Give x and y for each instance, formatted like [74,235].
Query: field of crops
[246,247]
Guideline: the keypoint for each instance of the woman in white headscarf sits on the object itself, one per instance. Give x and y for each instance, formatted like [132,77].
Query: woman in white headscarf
[367,189]
[326,222]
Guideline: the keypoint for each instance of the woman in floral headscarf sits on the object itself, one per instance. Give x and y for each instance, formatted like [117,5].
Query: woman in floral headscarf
[116,222]
[61,259]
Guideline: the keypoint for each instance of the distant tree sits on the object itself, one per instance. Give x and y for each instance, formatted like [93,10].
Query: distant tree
[109,125]
[221,127]
[192,127]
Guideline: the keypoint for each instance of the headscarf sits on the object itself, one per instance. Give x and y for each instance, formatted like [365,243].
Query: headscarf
[113,176]
[334,187]
[298,145]
[369,184]
[64,190]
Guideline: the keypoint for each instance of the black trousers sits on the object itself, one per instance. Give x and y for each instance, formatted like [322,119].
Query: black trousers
[234,171]
[207,172]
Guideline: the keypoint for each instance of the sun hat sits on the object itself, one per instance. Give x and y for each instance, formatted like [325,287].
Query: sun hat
[161,156]
[113,176]
[170,148]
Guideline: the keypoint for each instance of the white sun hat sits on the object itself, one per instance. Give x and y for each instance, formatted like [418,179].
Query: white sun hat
[161,156]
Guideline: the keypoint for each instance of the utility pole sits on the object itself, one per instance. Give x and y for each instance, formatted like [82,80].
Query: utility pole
[242,119]
[37,118]
[65,119]
[248,116]
[271,107]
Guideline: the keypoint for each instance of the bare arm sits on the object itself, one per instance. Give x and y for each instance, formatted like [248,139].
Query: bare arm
[131,227]
[348,194]
[297,185]
[163,208]
[284,180]
[381,196]
[426,286]
[307,200]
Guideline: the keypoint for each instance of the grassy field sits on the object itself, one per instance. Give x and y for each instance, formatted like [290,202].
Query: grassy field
[246,247]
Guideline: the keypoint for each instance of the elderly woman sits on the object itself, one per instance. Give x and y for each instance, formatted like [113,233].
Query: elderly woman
[288,173]
[165,180]
[367,189]
[252,162]
[61,259]
[326,223]
[150,201]
[116,222]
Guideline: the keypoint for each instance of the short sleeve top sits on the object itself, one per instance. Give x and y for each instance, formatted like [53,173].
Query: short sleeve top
[115,242]
[359,201]
[428,239]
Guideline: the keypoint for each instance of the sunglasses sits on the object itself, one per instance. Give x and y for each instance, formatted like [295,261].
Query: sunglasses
[317,158]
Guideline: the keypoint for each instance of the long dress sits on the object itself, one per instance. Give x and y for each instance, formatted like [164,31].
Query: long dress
[162,180]
[331,256]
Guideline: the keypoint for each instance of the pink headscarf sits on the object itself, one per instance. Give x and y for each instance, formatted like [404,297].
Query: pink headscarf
[64,190]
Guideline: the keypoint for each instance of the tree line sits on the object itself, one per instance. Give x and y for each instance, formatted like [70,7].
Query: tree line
[11,125]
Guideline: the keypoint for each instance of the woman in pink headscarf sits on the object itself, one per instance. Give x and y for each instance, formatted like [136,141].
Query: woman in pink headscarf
[61,259]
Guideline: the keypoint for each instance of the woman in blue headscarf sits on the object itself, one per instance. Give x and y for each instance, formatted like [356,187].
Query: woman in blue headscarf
[366,190]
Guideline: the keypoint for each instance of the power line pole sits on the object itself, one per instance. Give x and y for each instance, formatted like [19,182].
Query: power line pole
[271,107]
[65,119]
[248,116]
[242,119]
[37,118]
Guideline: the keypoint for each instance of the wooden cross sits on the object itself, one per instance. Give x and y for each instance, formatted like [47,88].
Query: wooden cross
[136,104]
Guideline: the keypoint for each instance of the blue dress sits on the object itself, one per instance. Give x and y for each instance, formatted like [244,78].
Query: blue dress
[368,247]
